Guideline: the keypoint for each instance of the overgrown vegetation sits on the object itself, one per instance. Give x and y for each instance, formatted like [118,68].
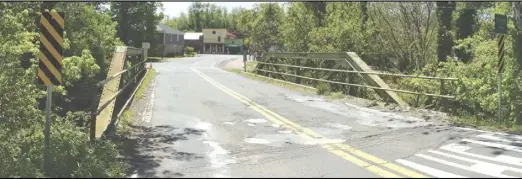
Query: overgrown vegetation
[91,34]
[146,81]
[444,39]
[189,52]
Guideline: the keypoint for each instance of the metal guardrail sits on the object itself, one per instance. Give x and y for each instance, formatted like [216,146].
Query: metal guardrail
[354,63]
[129,52]
[362,72]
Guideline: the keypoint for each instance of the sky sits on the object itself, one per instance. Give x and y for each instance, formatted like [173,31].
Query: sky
[173,9]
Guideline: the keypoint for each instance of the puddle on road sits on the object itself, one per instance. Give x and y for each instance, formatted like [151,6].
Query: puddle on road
[287,137]
[364,116]
[219,158]
[339,126]
[285,132]
[229,123]
[255,121]
[330,132]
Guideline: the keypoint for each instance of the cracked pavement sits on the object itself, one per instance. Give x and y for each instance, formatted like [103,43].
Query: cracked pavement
[198,129]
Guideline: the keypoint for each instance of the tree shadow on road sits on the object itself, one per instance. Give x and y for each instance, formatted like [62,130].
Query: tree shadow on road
[149,145]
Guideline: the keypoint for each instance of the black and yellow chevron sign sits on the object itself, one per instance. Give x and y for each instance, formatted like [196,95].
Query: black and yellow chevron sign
[51,41]
[501,53]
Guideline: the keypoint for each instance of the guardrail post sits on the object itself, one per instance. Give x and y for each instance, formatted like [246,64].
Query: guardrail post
[297,71]
[244,62]
[443,100]
[359,65]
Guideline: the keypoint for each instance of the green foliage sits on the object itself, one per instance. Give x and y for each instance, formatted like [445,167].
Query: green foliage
[203,15]
[137,21]
[189,51]
[79,67]
[408,37]
[90,39]
[323,88]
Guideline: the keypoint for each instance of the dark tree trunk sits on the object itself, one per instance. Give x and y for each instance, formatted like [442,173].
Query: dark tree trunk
[445,41]
[465,28]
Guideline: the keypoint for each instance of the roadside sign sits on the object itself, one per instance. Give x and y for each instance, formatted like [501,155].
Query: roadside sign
[51,42]
[501,29]
[500,24]
[145,45]
[50,67]
[501,53]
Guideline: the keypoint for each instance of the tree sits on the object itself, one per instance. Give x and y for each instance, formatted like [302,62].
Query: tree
[445,40]
[137,21]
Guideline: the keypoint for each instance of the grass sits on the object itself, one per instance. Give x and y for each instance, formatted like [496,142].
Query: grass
[287,85]
[124,127]
[251,65]
[126,120]
[335,95]
[146,81]
[159,59]
[484,124]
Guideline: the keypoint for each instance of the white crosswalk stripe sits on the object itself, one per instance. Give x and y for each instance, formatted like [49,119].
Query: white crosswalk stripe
[489,154]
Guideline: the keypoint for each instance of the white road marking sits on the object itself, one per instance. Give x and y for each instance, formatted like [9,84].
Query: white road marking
[214,66]
[500,146]
[256,141]
[285,132]
[492,137]
[276,125]
[251,125]
[134,175]
[518,137]
[479,165]
[456,148]
[195,63]
[428,170]
[147,117]
[463,167]
[340,126]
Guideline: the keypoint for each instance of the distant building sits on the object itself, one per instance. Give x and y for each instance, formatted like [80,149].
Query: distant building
[214,40]
[234,43]
[234,46]
[194,40]
[169,42]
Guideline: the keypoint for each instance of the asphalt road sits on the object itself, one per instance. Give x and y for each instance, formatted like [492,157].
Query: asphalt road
[206,122]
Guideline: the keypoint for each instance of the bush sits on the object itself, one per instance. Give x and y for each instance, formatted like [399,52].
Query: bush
[189,51]
[323,88]
[71,153]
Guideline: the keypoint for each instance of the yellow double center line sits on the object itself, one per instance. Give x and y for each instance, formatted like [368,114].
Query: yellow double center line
[336,149]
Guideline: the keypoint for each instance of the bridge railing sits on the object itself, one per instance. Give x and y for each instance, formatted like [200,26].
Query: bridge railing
[117,83]
[344,63]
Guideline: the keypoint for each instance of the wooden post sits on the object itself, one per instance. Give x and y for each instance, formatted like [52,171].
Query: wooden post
[442,100]
[297,71]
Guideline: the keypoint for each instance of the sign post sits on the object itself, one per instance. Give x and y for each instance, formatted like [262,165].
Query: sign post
[50,66]
[501,29]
